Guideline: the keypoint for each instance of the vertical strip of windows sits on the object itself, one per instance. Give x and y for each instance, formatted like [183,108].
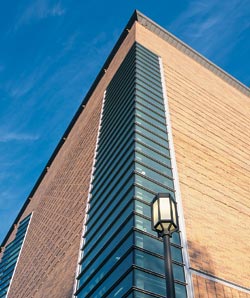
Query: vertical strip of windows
[107,252]
[153,174]
[10,257]
[121,255]
[188,273]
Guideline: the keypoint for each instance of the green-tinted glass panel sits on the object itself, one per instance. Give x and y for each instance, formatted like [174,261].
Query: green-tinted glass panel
[156,155]
[180,291]
[138,294]
[151,117]
[144,195]
[156,246]
[149,262]
[150,143]
[111,201]
[152,185]
[154,175]
[125,229]
[150,282]
[142,208]
[152,136]
[178,272]
[115,183]
[123,154]
[111,158]
[152,128]
[123,286]
[110,230]
[114,208]
[124,160]
[152,104]
[106,284]
[163,168]
[97,271]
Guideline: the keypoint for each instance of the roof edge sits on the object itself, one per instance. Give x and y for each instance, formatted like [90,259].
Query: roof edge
[186,49]
[99,76]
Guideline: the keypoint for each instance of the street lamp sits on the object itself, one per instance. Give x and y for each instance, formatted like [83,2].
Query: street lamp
[165,222]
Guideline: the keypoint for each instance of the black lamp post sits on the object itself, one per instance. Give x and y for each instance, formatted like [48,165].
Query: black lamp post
[165,223]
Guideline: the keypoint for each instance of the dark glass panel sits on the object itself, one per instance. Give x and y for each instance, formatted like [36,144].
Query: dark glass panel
[152,163]
[149,173]
[155,246]
[110,280]
[153,127]
[150,283]
[123,286]
[95,273]
[114,208]
[154,186]
[113,200]
[105,235]
[180,291]
[109,246]
[150,117]
[151,144]
[156,155]
[142,208]
[152,136]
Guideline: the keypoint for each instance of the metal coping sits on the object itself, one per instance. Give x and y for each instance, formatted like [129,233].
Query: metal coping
[180,45]
[162,33]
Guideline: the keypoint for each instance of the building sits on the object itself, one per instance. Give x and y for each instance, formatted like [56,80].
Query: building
[158,118]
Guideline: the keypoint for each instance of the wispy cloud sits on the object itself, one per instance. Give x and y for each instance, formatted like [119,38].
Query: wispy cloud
[21,87]
[13,136]
[38,10]
[27,79]
[209,25]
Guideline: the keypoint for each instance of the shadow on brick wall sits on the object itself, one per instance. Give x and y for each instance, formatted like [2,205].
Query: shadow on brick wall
[200,259]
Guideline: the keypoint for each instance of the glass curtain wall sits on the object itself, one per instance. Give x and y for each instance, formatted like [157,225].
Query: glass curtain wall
[10,257]
[121,255]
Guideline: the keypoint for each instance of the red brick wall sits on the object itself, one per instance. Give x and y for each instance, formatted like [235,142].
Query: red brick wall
[49,257]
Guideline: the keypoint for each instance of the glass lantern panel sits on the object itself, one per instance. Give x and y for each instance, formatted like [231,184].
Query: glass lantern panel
[158,227]
[172,228]
[174,212]
[155,212]
[165,211]
[166,226]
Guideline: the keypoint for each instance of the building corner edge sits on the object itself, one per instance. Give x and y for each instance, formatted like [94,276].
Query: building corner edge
[188,273]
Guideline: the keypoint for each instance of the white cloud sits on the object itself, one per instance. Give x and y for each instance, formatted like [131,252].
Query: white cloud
[38,10]
[210,25]
[13,136]
[28,79]
[18,89]
[56,10]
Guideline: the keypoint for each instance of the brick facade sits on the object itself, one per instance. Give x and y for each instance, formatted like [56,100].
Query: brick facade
[210,123]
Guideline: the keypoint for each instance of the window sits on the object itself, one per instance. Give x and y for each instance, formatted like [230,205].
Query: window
[10,256]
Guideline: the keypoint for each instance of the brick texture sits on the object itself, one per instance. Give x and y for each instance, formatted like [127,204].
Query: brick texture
[209,289]
[211,131]
[48,261]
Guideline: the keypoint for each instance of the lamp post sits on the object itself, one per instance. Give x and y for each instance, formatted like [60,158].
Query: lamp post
[165,222]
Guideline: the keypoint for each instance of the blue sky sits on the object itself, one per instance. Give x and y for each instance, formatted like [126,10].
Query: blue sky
[51,51]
